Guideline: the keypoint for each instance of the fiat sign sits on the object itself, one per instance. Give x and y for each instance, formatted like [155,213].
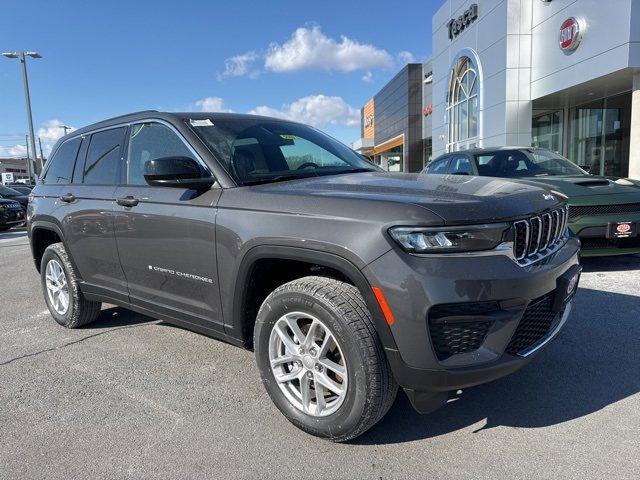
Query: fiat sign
[570,34]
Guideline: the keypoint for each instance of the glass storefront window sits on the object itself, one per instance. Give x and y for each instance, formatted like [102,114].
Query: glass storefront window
[390,160]
[462,108]
[547,130]
[617,120]
[599,136]
[585,136]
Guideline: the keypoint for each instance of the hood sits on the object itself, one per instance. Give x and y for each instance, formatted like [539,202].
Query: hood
[22,199]
[590,185]
[454,198]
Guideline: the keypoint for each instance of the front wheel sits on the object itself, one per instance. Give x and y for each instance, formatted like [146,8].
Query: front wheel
[320,358]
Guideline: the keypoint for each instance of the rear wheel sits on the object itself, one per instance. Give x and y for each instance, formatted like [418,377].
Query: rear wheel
[321,360]
[65,301]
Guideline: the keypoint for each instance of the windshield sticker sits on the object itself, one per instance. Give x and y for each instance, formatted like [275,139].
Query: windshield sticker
[201,123]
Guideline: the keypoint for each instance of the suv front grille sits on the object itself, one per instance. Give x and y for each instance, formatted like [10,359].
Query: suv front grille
[597,243]
[459,336]
[536,323]
[533,237]
[578,211]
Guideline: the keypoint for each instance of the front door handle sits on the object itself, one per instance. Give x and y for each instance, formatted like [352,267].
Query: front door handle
[68,198]
[127,201]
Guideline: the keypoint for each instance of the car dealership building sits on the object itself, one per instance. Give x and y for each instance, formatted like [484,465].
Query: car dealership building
[561,74]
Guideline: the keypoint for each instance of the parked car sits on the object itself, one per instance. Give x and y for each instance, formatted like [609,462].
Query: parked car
[344,279]
[603,211]
[11,194]
[23,189]
[11,214]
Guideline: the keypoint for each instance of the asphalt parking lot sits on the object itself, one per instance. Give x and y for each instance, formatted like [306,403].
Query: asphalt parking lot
[130,396]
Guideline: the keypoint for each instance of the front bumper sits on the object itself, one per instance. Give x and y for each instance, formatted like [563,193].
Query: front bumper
[12,218]
[593,233]
[415,285]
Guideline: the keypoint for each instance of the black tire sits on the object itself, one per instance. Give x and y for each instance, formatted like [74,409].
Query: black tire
[80,311]
[371,388]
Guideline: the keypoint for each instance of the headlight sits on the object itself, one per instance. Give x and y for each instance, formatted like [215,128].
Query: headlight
[470,238]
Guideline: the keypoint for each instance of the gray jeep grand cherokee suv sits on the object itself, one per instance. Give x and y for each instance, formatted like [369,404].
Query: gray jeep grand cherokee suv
[346,281]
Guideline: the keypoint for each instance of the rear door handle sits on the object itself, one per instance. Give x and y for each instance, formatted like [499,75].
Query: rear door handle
[127,201]
[68,198]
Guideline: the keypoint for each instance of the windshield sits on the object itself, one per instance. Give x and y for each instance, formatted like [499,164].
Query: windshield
[525,163]
[8,192]
[261,150]
[22,190]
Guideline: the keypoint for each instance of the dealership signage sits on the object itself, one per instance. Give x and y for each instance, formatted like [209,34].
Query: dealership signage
[571,32]
[457,25]
[7,178]
[428,110]
[368,121]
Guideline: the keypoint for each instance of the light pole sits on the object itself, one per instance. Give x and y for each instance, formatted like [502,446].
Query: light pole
[65,127]
[27,98]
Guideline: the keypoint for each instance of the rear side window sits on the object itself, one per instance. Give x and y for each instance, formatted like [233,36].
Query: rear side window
[103,157]
[150,141]
[61,165]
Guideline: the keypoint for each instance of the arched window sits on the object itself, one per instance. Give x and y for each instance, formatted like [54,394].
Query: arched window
[462,105]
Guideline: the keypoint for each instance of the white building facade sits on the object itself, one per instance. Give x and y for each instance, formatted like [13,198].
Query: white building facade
[562,74]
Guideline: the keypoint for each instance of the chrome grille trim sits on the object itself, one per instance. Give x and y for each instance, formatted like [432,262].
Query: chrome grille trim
[556,223]
[546,227]
[536,231]
[542,235]
[526,239]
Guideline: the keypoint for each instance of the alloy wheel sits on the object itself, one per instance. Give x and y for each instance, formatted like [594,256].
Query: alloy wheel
[57,288]
[308,364]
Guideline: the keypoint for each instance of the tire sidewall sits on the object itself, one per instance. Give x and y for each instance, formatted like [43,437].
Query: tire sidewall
[349,416]
[51,254]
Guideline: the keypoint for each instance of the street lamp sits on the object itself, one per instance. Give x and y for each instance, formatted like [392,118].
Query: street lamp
[66,127]
[27,98]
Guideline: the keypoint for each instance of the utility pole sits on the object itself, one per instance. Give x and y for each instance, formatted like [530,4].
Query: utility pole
[29,165]
[27,98]
[41,154]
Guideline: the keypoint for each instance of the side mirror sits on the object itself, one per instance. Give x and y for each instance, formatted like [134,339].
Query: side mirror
[177,172]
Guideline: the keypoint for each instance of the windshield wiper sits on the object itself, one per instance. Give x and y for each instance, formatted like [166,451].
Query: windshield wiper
[278,178]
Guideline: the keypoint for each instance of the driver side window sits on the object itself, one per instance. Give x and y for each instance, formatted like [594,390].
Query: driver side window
[149,141]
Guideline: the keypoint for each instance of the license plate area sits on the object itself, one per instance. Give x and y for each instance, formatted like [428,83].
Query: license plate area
[566,287]
[622,229]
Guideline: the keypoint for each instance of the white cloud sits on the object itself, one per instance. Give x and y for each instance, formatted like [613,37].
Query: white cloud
[406,57]
[309,48]
[49,133]
[314,110]
[52,130]
[239,66]
[212,104]
[367,77]
[13,151]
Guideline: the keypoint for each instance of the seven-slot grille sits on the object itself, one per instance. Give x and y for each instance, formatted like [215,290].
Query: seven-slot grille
[536,234]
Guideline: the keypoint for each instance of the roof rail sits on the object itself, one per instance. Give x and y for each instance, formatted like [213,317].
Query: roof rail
[127,115]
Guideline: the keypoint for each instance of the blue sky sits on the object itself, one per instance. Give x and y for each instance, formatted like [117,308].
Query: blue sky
[316,62]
